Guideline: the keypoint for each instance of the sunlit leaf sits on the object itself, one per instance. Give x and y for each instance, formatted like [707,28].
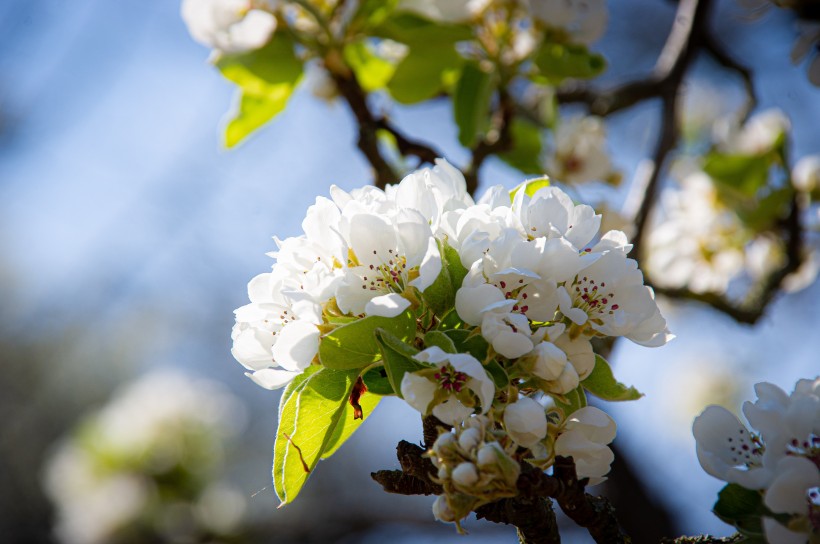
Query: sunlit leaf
[603,384]
[471,103]
[397,357]
[354,345]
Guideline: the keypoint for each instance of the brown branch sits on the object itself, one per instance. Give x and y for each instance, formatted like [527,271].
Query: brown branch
[396,481]
[705,539]
[534,519]
[409,147]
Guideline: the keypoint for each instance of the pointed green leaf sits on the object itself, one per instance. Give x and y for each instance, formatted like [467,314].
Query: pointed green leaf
[525,153]
[500,377]
[266,78]
[742,508]
[603,384]
[397,357]
[440,296]
[348,424]
[372,71]
[530,186]
[354,345]
[309,411]
[575,400]
[466,341]
[377,381]
[558,61]
[745,174]
[255,111]
[471,103]
[441,340]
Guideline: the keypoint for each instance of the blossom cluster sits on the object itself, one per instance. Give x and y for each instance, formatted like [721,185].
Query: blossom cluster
[505,294]
[147,466]
[777,454]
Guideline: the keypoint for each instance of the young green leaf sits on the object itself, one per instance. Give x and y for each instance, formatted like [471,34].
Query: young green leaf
[471,103]
[745,174]
[377,381]
[742,508]
[266,78]
[526,147]
[468,342]
[500,377]
[603,384]
[441,340]
[397,357]
[372,71]
[530,186]
[576,399]
[558,61]
[354,345]
[311,407]
[348,424]
[441,295]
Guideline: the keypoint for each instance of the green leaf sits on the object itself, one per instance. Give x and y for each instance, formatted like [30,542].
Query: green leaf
[377,381]
[558,61]
[603,384]
[441,340]
[576,399]
[525,152]
[466,341]
[440,296]
[764,213]
[497,373]
[432,55]
[348,424]
[311,407]
[354,345]
[742,508]
[372,71]
[398,358]
[745,174]
[267,78]
[370,13]
[253,112]
[471,103]
[451,320]
[530,186]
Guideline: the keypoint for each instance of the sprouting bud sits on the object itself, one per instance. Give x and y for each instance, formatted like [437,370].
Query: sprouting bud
[445,441]
[470,438]
[465,475]
[442,510]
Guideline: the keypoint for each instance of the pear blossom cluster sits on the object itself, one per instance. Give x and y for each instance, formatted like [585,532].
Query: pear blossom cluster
[777,454]
[580,153]
[537,283]
[230,26]
[148,466]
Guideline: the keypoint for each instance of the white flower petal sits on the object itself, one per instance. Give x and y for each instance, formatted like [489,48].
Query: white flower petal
[386,305]
[296,345]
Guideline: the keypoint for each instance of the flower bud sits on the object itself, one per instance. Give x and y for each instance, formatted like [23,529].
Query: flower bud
[465,475]
[547,360]
[442,510]
[469,439]
[526,421]
[493,458]
[444,442]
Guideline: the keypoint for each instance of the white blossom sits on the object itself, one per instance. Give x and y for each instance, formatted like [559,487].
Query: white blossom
[759,135]
[443,390]
[450,11]
[525,421]
[806,173]
[580,152]
[584,20]
[231,26]
[584,437]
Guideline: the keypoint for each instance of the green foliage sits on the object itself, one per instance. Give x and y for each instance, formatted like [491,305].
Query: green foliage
[526,147]
[311,409]
[266,78]
[372,71]
[575,400]
[744,509]
[440,340]
[348,424]
[376,380]
[559,61]
[397,357]
[354,345]
[432,56]
[530,186]
[603,384]
[440,296]
[745,174]
[471,103]
[469,342]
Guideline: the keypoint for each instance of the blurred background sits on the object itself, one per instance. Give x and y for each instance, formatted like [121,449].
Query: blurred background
[129,236]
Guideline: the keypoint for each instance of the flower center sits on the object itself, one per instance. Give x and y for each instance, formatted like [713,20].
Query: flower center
[387,277]
[746,448]
[809,448]
[592,297]
[450,379]
[513,291]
